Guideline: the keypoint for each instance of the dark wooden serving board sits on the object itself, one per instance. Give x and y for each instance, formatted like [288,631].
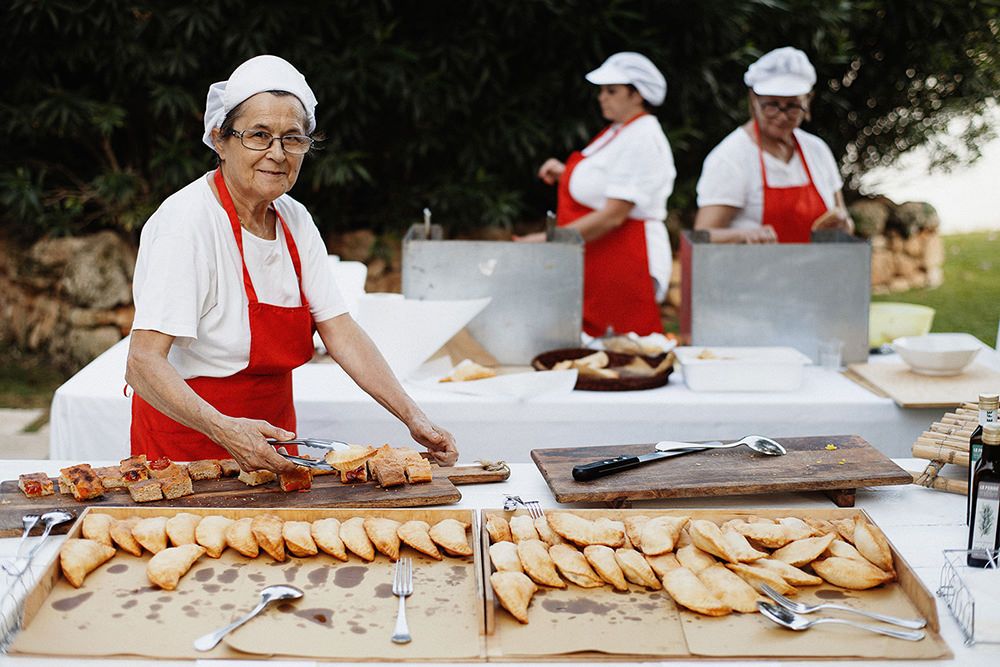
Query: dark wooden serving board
[327,491]
[808,466]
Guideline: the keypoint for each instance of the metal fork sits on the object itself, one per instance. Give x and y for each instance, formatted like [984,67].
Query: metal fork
[802,608]
[534,509]
[402,587]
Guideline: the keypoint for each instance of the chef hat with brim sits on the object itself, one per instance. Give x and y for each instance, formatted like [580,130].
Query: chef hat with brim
[257,75]
[784,72]
[633,68]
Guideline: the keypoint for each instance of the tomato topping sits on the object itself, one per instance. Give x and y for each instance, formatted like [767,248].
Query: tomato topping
[160,463]
[32,487]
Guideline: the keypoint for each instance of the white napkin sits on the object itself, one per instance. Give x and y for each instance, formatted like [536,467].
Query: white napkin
[519,386]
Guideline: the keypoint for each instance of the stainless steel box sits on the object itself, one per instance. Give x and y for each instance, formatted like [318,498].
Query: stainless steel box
[536,288]
[793,294]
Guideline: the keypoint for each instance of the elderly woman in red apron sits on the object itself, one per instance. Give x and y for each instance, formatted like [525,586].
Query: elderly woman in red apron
[231,281]
[614,192]
[769,181]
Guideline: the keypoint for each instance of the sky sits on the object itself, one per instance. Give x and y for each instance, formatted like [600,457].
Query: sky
[966,198]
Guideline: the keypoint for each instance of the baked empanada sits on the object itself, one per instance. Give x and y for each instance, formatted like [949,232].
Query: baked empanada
[730,588]
[659,534]
[97,527]
[326,534]
[240,537]
[602,559]
[181,528]
[384,534]
[756,575]
[845,527]
[608,532]
[353,534]
[791,574]
[574,566]
[545,532]
[844,550]
[504,557]
[871,543]
[417,535]
[770,535]
[537,563]
[708,537]
[803,551]
[820,526]
[211,534]
[636,569]
[571,527]
[298,538]
[857,575]
[739,547]
[167,567]
[633,529]
[498,528]
[449,534]
[121,534]
[795,528]
[522,527]
[78,558]
[151,533]
[663,563]
[514,591]
[266,529]
[687,590]
[694,559]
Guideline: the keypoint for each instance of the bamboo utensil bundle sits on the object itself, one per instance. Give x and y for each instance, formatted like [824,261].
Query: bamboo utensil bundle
[946,441]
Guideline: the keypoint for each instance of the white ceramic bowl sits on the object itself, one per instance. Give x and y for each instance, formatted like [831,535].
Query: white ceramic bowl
[937,354]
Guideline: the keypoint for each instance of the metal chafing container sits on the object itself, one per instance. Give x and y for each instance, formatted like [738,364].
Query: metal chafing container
[536,288]
[793,294]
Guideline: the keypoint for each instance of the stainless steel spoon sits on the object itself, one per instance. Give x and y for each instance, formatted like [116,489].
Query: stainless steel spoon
[28,521]
[802,608]
[267,596]
[793,621]
[50,520]
[758,443]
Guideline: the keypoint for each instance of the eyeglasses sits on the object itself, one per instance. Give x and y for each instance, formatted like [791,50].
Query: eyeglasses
[259,140]
[772,109]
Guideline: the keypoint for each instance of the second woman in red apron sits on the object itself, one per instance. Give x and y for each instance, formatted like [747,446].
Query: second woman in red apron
[614,192]
[231,281]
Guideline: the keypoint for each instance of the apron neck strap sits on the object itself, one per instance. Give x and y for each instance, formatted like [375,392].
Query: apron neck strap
[760,154]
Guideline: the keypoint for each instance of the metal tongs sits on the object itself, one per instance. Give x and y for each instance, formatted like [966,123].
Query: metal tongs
[329,445]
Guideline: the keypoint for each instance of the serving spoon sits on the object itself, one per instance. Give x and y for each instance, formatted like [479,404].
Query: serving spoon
[758,443]
[267,596]
[50,520]
[793,621]
[803,608]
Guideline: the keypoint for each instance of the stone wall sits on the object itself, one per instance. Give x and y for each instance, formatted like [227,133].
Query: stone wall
[66,299]
[907,251]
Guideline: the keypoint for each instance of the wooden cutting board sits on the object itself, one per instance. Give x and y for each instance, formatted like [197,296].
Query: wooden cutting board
[327,491]
[912,390]
[808,466]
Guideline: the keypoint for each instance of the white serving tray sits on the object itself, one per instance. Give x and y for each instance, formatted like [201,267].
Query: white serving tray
[742,368]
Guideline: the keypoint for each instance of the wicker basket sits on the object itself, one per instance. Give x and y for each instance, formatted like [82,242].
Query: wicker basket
[546,360]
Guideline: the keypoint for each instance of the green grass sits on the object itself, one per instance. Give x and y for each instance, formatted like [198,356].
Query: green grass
[26,383]
[969,299]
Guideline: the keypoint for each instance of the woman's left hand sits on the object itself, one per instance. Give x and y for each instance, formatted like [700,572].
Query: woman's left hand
[440,442]
[536,237]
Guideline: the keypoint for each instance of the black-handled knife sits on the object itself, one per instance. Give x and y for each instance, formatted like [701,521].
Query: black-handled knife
[589,471]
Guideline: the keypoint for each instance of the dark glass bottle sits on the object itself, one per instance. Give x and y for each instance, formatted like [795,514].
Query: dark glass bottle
[984,528]
[989,413]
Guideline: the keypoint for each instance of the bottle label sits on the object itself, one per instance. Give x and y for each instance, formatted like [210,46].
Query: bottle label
[984,519]
[988,417]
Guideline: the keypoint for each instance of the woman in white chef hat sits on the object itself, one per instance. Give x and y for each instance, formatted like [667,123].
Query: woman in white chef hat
[231,280]
[769,181]
[614,192]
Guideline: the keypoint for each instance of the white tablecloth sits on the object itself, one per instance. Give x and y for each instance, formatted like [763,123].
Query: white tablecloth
[90,414]
[919,522]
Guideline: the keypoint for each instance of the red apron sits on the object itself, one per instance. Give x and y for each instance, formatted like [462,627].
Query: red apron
[280,340]
[617,288]
[791,211]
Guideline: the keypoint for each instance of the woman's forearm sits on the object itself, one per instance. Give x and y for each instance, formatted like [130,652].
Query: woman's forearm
[596,224]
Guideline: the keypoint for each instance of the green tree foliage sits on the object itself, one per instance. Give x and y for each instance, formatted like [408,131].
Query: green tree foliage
[451,105]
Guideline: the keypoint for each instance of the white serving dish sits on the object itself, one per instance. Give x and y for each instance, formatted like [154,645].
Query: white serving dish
[742,368]
[937,354]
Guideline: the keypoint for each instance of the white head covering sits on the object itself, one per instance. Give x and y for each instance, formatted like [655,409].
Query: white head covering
[257,75]
[784,72]
[633,68]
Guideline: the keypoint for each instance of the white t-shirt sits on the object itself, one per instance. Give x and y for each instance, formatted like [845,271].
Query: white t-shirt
[731,175]
[633,163]
[189,279]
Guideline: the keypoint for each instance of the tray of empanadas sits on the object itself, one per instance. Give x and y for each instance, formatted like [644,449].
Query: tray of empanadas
[147,582]
[657,584]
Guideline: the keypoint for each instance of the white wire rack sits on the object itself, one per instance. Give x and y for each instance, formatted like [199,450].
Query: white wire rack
[959,597]
[12,604]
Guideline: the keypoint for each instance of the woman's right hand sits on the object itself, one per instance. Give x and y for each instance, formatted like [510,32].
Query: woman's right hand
[551,171]
[246,440]
[762,234]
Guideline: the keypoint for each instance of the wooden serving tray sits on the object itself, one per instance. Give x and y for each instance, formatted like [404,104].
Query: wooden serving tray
[327,491]
[808,466]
